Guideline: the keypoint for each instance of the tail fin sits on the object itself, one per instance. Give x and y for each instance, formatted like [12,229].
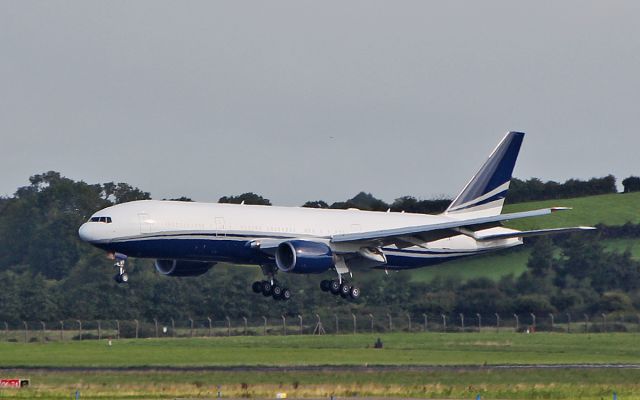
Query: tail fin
[484,194]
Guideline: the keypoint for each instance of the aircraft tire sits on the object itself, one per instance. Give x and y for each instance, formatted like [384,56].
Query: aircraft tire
[266,288]
[355,292]
[345,289]
[286,294]
[334,287]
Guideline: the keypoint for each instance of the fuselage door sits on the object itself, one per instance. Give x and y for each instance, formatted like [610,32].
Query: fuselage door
[219,226]
[145,223]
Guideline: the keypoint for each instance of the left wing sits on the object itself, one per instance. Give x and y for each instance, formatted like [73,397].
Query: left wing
[409,236]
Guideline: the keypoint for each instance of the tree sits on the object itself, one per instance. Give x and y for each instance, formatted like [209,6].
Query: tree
[315,204]
[247,198]
[541,260]
[631,184]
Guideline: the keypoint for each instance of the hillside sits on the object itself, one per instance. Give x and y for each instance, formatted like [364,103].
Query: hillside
[610,209]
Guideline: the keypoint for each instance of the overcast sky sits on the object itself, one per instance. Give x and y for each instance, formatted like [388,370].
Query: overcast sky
[299,100]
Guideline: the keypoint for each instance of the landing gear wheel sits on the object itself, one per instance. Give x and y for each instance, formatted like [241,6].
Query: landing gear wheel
[325,285]
[266,288]
[345,289]
[286,294]
[334,287]
[277,292]
[355,292]
[124,278]
[256,287]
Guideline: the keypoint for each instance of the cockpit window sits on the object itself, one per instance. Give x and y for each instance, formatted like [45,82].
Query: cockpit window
[106,220]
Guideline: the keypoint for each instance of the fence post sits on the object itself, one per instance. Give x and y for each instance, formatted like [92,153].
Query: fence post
[117,329]
[497,323]
[173,327]
[210,326]
[43,331]
[26,331]
[409,318]
[190,326]
[604,322]
[461,321]
[155,324]
[245,325]
[61,331]
[552,321]
[568,323]
[517,322]
[444,322]
[284,325]
[371,319]
[137,327]
[228,326]
[586,323]
[300,318]
[79,328]
[533,320]
[6,329]
[265,325]
[426,319]
[337,324]
[354,323]
[479,322]
[390,322]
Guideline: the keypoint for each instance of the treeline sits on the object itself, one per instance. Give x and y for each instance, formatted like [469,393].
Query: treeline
[47,273]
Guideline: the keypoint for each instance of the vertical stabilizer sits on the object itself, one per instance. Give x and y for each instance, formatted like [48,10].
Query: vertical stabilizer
[484,194]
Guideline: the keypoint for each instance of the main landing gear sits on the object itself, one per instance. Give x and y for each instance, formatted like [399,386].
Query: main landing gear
[344,288]
[271,288]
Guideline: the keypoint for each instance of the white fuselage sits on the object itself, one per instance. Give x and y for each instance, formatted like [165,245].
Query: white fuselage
[221,232]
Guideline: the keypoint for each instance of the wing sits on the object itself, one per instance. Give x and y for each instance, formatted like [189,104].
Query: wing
[415,235]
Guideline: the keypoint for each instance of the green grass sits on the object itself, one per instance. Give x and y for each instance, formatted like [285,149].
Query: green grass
[462,384]
[400,349]
[472,349]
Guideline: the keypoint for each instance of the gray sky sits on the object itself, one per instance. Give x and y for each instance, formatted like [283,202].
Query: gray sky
[299,100]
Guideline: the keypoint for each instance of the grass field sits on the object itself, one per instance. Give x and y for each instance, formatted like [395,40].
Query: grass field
[481,350]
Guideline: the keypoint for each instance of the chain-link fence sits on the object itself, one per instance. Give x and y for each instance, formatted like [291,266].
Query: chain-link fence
[310,324]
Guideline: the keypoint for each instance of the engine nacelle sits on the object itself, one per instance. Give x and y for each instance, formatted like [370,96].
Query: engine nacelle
[304,257]
[182,267]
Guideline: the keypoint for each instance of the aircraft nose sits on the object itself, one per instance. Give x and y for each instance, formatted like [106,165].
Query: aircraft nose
[85,233]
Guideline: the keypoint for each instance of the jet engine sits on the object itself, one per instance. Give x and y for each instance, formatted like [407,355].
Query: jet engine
[304,257]
[182,267]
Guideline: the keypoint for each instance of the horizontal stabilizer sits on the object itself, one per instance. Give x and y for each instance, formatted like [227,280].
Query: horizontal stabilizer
[537,232]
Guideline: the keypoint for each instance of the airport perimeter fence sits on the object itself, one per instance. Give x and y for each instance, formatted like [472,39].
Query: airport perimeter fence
[314,324]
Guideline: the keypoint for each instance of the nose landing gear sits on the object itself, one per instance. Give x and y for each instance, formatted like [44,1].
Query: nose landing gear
[121,276]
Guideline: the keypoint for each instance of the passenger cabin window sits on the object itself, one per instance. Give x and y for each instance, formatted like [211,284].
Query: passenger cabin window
[105,220]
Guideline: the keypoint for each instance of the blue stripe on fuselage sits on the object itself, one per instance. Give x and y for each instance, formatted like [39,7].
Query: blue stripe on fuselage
[237,250]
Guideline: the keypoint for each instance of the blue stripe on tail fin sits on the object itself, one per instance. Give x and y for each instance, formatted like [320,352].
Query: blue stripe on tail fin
[487,189]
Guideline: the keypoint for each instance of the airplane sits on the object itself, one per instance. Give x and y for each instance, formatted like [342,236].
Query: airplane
[189,238]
